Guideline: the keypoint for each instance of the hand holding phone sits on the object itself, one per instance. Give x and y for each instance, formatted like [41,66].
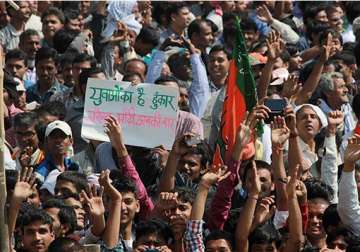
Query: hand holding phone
[277,107]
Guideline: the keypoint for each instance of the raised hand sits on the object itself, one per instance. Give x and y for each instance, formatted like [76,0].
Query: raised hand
[290,119]
[279,132]
[93,199]
[327,49]
[121,33]
[24,186]
[214,175]
[352,153]
[171,41]
[335,118]
[275,46]
[109,189]
[167,200]
[264,14]
[264,210]
[25,156]
[179,147]
[114,132]
[291,87]
[260,112]
[163,154]
[254,185]
[292,183]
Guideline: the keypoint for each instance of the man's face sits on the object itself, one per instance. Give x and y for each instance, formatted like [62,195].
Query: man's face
[129,207]
[37,237]
[218,65]
[315,228]
[16,67]
[295,63]
[182,18]
[321,16]
[338,245]
[151,241]
[271,247]
[46,71]
[54,214]
[85,7]
[74,25]
[308,123]
[219,245]
[206,37]
[58,142]
[79,211]
[251,37]
[191,165]
[340,93]
[265,181]
[26,137]
[51,24]
[136,67]
[182,208]
[30,45]
[336,21]
[64,188]
[24,12]
[184,99]
[34,198]
[77,69]
[67,74]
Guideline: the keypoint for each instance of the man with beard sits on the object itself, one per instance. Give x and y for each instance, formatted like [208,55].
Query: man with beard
[46,70]
[27,140]
[58,142]
[37,231]
[53,20]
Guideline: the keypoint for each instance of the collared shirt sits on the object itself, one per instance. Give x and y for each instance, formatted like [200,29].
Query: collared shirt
[194,236]
[66,96]
[30,77]
[32,94]
[46,166]
[10,37]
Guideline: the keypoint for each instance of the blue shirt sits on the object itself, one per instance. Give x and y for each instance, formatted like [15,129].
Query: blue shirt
[32,93]
[46,166]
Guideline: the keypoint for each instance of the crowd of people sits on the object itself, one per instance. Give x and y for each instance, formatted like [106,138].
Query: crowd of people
[292,181]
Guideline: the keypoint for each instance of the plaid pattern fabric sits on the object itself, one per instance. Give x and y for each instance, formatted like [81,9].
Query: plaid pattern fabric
[194,236]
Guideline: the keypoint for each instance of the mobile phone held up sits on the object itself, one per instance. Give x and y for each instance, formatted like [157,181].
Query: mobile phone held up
[276,106]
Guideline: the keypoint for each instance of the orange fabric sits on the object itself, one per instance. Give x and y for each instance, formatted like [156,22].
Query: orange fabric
[233,114]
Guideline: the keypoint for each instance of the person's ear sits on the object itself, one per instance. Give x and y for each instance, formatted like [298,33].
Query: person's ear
[64,229]
[137,206]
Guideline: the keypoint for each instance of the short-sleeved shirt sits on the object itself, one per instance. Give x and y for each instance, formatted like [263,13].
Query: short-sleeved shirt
[10,37]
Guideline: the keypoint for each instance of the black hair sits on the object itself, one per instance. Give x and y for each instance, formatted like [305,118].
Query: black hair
[174,8]
[65,244]
[71,15]
[149,35]
[318,189]
[28,33]
[347,57]
[356,106]
[335,34]
[316,27]
[220,48]
[36,215]
[66,213]
[312,10]
[123,184]
[341,231]
[62,40]
[82,57]
[260,164]
[204,150]
[133,60]
[167,78]
[16,54]
[229,18]
[45,53]
[78,179]
[285,56]
[127,76]
[292,49]
[265,233]
[331,217]
[194,26]
[353,243]
[221,235]
[25,119]
[66,59]
[248,25]
[87,73]
[55,108]
[185,194]
[154,226]
[55,12]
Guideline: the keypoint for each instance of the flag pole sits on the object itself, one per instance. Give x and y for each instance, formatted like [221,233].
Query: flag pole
[4,232]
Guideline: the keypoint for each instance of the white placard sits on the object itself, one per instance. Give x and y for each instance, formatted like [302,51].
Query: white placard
[147,112]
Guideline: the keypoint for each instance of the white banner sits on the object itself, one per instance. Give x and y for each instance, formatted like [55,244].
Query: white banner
[147,113]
